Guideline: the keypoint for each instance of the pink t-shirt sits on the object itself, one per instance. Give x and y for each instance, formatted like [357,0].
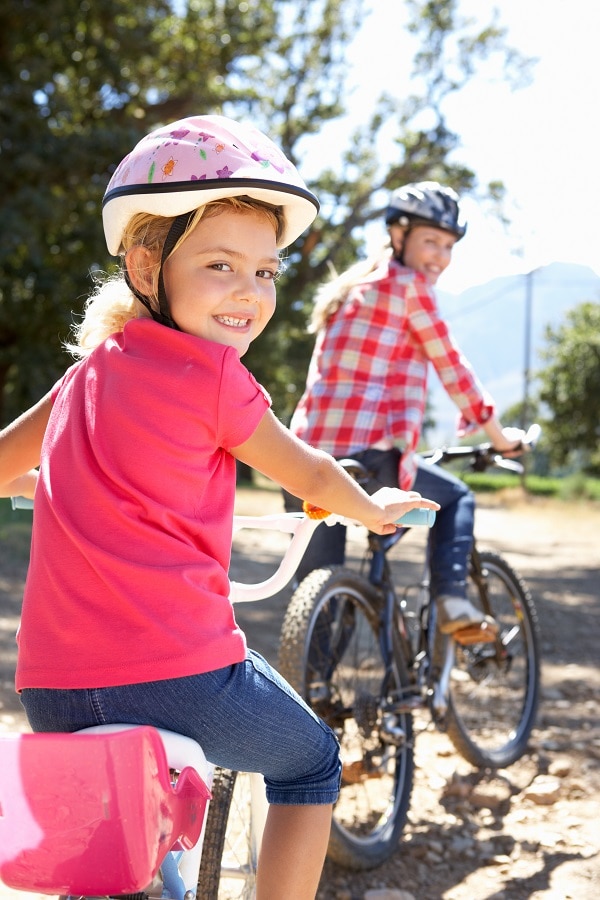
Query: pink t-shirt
[133,514]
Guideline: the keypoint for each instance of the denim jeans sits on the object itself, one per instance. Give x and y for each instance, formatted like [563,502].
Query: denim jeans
[451,535]
[245,717]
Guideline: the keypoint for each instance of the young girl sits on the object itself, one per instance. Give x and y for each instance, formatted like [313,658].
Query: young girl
[126,616]
[378,329]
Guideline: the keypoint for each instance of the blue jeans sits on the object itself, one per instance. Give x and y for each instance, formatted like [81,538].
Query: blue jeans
[451,535]
[245,717]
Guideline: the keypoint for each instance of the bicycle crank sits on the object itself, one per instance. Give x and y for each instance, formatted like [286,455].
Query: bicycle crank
[391,732]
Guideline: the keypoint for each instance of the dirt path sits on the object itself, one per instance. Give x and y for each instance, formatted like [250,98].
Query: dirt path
[532,831]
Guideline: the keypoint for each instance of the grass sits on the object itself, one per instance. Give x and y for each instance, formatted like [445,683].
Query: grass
[573,487]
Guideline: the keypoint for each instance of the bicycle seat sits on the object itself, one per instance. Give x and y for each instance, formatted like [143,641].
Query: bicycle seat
[92,814]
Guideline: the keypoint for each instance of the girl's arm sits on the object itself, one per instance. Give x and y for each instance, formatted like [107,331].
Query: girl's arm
[315,476]
[20,449]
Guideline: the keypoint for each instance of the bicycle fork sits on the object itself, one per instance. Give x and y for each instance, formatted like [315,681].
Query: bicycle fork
[391,730]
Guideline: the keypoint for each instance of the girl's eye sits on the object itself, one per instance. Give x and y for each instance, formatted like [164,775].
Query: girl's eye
[269,274]
[220,267]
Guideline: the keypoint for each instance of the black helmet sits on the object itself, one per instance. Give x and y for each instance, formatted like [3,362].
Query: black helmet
[426,203]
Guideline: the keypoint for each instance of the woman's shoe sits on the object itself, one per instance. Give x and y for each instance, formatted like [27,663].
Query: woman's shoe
[456,613]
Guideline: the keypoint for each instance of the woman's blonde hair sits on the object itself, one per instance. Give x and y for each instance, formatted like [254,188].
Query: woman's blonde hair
[331,295]
[113,304]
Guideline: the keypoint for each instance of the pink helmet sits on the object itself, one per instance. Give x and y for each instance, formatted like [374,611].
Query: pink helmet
[184,165]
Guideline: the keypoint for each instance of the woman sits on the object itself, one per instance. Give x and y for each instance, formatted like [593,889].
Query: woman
[378,329]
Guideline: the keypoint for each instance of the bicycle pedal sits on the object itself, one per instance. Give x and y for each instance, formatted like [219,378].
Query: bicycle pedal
[476,634]
[408,705]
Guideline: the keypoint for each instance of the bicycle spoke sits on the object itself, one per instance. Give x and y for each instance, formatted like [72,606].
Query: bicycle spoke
[229,856]
[494,687]
[331,652]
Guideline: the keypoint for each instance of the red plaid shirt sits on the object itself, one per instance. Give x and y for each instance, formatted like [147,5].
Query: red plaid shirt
[367,380]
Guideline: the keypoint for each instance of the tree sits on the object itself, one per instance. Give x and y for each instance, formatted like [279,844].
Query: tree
[353,190]
[570,388]
[81,82]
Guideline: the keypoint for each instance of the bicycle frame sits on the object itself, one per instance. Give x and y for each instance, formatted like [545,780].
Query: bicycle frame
[379,575]
[180,867]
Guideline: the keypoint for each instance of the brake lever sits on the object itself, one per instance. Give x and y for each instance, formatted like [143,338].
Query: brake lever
[511,465]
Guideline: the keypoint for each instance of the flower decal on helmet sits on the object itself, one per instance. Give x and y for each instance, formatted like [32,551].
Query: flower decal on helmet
[179,167]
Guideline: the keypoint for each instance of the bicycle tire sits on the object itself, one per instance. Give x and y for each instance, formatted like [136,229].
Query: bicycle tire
[494,689]
[229,858]
[330,652]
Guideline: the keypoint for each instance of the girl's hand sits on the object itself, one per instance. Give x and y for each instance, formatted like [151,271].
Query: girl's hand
[392,504]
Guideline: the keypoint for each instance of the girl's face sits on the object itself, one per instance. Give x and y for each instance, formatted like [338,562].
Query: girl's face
[427,250]
[221,280]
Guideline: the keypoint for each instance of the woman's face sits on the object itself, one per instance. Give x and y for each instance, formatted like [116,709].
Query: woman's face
[427,250]
[221,280]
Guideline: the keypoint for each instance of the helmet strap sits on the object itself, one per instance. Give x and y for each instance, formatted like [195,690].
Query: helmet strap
[176,231]
[162,315]
[142,298]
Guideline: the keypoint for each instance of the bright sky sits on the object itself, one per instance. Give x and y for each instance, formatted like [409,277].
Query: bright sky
[541,141]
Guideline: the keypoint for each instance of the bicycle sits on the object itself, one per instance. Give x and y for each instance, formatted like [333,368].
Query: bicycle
[134,811]
[367,657]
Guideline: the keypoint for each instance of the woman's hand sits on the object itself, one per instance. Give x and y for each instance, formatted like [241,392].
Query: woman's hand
[507,441]
[511,443]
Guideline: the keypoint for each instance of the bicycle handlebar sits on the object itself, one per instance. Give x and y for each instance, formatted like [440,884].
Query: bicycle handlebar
[21,503]
[301,527]
[483,456]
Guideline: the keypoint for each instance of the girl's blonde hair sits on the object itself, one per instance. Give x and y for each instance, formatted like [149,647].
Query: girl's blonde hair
[331,295]
[113,304]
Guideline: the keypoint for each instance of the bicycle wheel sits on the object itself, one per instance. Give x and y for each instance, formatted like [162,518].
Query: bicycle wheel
[229,853]
[494,687]
[331,653]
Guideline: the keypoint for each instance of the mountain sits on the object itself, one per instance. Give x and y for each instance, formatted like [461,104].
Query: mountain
[490,323]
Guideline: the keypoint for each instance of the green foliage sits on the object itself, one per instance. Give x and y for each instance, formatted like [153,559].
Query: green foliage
[578,487]
[573,487]
[570,388]
[15,534]
[81,82]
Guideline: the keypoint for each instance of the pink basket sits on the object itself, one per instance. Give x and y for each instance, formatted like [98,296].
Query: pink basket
[92,813]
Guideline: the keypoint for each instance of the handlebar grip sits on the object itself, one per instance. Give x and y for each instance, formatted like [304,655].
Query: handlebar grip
[21,503]
[418,517]
[532,436]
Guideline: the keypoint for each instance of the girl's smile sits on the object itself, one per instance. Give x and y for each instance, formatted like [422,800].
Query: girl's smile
[221,280]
